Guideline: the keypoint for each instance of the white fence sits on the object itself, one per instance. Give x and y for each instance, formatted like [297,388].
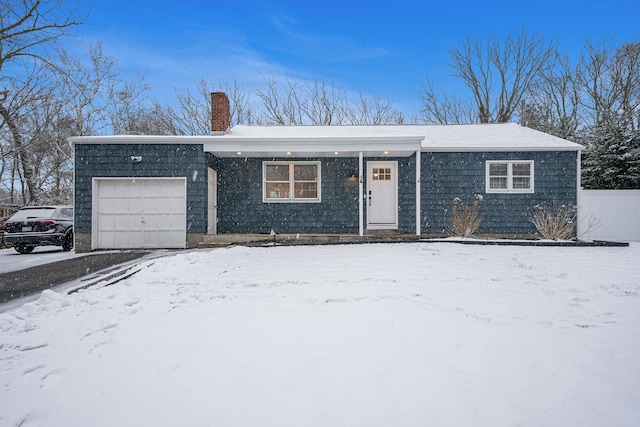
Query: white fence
[616,212]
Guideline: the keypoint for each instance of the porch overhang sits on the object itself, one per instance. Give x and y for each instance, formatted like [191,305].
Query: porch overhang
[313,147]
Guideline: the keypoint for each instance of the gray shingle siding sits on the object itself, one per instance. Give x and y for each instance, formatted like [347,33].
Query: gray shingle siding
[158,160]
[407,193]
[241,209]
[446,176]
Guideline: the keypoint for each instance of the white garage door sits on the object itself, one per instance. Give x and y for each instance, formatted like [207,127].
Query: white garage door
[139,213]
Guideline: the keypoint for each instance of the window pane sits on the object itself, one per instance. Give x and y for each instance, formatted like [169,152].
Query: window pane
[305,172]
[381,174]
[499,169]
[277,173]
[277,190]
[306,190]
[521,183]
[498,183]
[521,169]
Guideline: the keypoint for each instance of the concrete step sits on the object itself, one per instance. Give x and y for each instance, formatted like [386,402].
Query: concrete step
[223,240]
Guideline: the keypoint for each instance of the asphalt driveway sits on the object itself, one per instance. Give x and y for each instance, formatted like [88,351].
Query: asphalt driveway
[16,284]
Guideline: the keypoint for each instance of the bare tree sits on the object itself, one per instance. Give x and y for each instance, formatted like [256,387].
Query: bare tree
[323,104]
[610,79]
[320,103]
[373,111]
[41,159]
[85,84]
[553,101]
[281,105]
[63,97]
[442,108]
[191,114]
[626,76]
[26,27]
[497,72]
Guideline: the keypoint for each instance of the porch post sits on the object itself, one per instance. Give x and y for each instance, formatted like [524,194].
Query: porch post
[360,192]
[580,227]
[418,215]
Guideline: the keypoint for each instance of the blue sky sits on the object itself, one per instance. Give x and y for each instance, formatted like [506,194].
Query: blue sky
[379,48]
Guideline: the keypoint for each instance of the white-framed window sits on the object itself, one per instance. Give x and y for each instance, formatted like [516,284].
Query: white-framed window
[291,181]
[509,176]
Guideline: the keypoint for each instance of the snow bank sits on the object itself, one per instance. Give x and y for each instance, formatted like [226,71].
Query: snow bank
[391,334]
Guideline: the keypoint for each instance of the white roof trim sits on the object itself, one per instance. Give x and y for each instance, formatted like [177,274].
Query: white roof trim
[493,149]
[138,139]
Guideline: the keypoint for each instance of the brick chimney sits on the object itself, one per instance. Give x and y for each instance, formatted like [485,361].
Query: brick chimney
[220,113]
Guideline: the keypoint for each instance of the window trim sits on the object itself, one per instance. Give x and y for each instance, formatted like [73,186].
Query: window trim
[292,198]
[510,189]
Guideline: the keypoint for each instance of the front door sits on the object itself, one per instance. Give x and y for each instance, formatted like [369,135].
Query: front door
[382,195]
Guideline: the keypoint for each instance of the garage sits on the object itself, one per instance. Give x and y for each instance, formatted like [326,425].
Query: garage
[139,213]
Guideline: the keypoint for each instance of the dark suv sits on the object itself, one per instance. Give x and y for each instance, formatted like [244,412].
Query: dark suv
[35,226]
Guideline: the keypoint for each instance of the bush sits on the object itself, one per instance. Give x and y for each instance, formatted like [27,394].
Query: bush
[554,221]
[465,217]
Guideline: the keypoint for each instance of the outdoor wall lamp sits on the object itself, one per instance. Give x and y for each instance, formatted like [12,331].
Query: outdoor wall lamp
[136,159]
[353,175]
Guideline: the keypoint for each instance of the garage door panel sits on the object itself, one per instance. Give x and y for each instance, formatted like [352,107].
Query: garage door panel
[107,190]
[140,213]
[173,191]
[120,205]
[164,223]
[108,240]
[176,206]
[135,206]
[107,222]
[131,239]
[104,205]
[132,222]
[157,206]
[176,222]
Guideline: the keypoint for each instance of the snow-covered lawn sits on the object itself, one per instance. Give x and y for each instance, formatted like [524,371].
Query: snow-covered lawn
[415,334]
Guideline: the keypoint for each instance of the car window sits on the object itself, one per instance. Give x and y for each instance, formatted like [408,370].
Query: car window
[67,212]
[33,213]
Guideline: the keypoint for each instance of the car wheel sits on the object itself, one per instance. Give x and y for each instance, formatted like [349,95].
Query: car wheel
[67,245]
[24,249]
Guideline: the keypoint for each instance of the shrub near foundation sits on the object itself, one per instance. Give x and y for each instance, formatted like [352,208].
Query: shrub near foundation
[465,217]
[554,221]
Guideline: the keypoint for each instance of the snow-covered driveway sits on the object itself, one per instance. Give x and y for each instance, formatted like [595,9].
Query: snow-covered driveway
[10,260]
[415,334]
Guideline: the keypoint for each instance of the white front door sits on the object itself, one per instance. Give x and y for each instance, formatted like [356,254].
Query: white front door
[382,195]
[212,217]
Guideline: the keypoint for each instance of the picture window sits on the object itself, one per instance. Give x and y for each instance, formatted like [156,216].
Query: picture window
[291,181]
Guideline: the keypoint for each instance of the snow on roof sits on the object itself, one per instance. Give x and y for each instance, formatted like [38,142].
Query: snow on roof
[399,139]
[502,136]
